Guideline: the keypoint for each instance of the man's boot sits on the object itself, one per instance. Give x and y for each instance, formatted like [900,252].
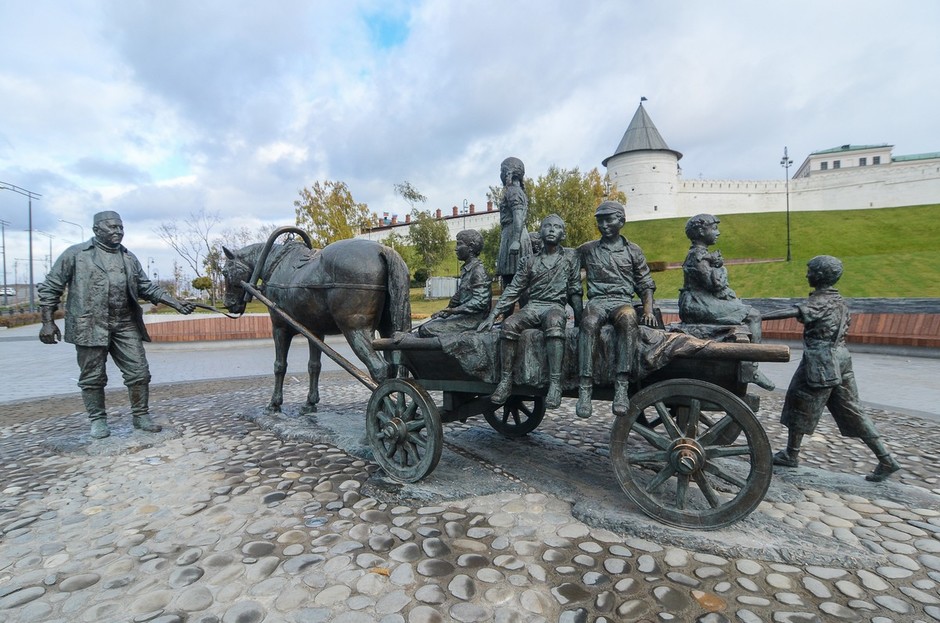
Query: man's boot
[585,388]
[94,406]
[140,408]
[507,356]
[886,463]
[555,353]
[791,456]
[621,395]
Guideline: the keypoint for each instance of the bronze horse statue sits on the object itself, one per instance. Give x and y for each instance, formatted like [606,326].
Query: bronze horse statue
[353,287]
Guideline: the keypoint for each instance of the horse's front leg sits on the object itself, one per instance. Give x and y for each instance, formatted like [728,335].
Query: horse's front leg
[360,340]
[282,339]
[313,368]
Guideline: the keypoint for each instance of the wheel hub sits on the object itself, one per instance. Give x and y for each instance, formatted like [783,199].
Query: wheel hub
[686,456]
[394,430]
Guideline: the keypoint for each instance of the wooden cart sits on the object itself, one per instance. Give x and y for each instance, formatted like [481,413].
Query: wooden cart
[689,452]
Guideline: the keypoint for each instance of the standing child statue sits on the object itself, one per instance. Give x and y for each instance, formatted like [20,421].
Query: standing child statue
[514,245]
[552,279]
[471,303]
[616,270]
[824,377]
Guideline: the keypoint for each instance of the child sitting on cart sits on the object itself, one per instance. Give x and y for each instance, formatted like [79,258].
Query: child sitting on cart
[471,303]
[552,278]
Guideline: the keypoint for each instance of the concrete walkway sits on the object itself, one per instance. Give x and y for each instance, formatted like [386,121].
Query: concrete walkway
[233,516]
[887,378]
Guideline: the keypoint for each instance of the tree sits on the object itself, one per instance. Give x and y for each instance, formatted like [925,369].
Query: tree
[205,284]
[400,244]
[329,213]
[491,240]
[573,196]
[191,239]
[410,194]
[430,238]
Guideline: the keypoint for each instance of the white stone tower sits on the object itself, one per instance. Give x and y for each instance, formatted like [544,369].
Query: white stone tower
[645,170]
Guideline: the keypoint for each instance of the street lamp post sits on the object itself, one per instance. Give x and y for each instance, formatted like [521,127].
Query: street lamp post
[31,195]
[50,237]
[62,220]
[785,162]
[3,243]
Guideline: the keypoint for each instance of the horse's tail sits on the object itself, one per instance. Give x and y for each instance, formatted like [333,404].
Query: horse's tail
[397,313]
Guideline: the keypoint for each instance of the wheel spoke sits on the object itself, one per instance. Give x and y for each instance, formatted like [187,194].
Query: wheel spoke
[706,489]
[695,410]
[418,440]
[670,424]
[646,457]
[411,451]
[415,425]
[390,449]
[390,406]
[655,439]
[664,475]
[725,475]
[715,452]
[409,413]
[682,488]
[709,437]
[525,409]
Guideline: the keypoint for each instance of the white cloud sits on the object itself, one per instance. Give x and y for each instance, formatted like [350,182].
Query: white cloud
[158,109]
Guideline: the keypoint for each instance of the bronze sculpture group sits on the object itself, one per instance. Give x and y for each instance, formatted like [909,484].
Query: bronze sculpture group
[541,280]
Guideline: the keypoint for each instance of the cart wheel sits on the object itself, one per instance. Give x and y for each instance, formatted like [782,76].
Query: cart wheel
[404,429]
[691,475]
[518,417]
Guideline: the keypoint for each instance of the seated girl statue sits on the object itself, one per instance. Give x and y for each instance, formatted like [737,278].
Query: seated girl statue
[705,297]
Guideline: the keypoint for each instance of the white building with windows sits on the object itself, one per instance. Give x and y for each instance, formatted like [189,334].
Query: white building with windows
[646,169]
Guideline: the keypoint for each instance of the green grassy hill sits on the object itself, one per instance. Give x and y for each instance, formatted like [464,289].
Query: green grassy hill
[889,252]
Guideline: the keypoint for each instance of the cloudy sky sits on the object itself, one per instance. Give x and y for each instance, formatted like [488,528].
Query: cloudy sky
[158,109]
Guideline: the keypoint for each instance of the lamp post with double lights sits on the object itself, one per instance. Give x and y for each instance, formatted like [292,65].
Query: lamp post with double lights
[80,227]
[785,162]
[31,195]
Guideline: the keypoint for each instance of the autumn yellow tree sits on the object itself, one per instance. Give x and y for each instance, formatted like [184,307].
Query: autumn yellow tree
[329,213]
[573,196]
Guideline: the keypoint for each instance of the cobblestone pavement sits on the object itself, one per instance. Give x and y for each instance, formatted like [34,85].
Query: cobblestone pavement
[224,517]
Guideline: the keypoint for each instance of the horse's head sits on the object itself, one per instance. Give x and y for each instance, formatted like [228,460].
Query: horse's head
[235,271]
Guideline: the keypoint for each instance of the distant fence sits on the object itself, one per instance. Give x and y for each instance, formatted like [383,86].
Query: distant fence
[897,322]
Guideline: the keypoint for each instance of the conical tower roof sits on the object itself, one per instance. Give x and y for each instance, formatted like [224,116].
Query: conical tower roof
[641,135]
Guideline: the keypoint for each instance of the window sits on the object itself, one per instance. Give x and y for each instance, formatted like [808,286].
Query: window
[836,164]
[862,162]
[876,159]
[823,166]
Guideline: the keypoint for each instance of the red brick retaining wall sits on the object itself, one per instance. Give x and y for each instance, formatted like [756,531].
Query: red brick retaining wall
[872,328]
[919,329]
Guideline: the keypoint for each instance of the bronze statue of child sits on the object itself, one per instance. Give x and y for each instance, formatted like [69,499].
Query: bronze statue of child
[824,377]
[705,297]
[471,303]
[616,270]
[552,278]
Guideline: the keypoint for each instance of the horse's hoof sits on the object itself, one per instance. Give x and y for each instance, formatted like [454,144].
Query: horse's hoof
[308,409]
[272,410]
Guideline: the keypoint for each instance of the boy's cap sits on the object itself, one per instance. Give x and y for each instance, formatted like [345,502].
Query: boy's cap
[610,207]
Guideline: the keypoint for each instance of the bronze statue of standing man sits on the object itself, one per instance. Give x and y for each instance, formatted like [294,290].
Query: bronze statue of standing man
[102,317]
[514,244]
